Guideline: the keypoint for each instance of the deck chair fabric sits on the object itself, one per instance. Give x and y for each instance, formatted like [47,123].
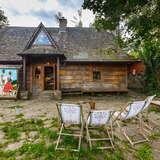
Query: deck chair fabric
[70,114]
[145,112]
[148,101]
[97,119]
[134,110]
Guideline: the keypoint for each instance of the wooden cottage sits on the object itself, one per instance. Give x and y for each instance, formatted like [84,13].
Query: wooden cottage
[64,59]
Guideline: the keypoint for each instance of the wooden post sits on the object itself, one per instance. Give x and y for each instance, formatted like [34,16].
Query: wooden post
[24,73]
[58,81]
[31,77]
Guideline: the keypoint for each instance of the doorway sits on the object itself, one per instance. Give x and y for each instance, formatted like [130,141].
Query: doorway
[49,78]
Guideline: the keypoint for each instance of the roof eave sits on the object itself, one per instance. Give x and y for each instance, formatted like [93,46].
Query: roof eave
[45,54]
[103,61]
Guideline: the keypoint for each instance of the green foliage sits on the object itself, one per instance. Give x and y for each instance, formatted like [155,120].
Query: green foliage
[141,18]
[144,153]
[150,54]
[3,18]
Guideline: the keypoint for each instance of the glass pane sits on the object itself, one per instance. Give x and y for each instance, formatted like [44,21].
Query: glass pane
[96,75]
[42,39]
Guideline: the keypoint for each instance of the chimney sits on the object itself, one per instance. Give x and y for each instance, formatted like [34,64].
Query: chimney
[62,24]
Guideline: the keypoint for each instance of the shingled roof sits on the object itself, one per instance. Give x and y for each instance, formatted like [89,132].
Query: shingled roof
[77,44]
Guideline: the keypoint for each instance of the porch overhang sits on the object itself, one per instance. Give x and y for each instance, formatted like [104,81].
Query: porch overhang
[42,51]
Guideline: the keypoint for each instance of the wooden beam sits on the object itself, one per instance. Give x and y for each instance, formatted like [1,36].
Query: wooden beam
[31,78]
[58,80]
[24,73]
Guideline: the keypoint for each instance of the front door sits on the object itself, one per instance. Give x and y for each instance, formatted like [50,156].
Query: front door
[37,78]
[49,78]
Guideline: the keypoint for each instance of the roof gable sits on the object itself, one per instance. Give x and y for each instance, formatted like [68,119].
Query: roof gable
[41,37]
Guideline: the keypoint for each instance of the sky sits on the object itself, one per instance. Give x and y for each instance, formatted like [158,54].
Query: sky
[32,12]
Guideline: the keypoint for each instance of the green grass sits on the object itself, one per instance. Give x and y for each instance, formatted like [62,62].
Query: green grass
[11,132]
[19,115]
[154,108]
[45,132]
[144,152]
[33,149]
[117,155]
[43,147]
[155,136]
[8,155]
[15,106]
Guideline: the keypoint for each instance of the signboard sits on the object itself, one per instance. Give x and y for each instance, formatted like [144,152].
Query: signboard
[70,113]
[8,82]
[99,117]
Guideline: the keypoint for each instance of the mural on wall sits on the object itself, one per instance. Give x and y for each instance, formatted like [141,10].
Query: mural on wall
[8,82]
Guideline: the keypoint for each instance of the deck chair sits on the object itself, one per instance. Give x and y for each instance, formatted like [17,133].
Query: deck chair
[134,110]
[70,114]
[100,119]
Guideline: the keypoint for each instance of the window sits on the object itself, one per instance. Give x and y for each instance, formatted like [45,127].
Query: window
[96,75]
[42,39]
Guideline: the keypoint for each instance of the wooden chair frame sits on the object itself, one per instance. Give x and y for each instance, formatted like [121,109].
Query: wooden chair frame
[146,116]
[108,128]
[63,126]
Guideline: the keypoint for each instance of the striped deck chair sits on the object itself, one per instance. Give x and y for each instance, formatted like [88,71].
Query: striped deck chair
[100,119]
[70,114]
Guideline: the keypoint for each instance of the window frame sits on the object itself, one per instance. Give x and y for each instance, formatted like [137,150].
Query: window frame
[36,41]
[99,76]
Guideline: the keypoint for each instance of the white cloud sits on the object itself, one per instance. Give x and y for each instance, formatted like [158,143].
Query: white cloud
[20,12]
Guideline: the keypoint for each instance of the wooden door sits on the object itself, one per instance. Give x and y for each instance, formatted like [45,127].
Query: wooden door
[37,78]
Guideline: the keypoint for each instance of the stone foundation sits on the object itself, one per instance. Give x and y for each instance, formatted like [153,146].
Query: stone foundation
[24,95]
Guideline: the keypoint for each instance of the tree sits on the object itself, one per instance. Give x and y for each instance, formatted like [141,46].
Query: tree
[3,18]
[141,17]
[141,26]
[149,51]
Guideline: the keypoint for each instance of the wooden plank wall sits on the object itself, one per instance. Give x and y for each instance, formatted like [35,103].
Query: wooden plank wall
[80,77]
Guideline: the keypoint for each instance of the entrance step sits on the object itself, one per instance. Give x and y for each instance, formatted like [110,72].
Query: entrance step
[44,95]
[75,91]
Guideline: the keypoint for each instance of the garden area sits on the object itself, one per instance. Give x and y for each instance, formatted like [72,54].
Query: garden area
[29,130]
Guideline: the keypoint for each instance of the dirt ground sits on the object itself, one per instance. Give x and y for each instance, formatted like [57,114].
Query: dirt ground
[45,108]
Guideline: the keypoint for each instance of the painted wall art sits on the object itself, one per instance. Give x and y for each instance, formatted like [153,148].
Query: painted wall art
[8,82]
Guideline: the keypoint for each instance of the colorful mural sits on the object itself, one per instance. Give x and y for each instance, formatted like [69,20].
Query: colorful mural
[8,82]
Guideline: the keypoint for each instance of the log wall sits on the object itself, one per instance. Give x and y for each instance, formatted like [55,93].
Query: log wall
[80,77]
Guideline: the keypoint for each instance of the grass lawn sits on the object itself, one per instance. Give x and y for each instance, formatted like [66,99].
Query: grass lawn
[31,134]
[29,139]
